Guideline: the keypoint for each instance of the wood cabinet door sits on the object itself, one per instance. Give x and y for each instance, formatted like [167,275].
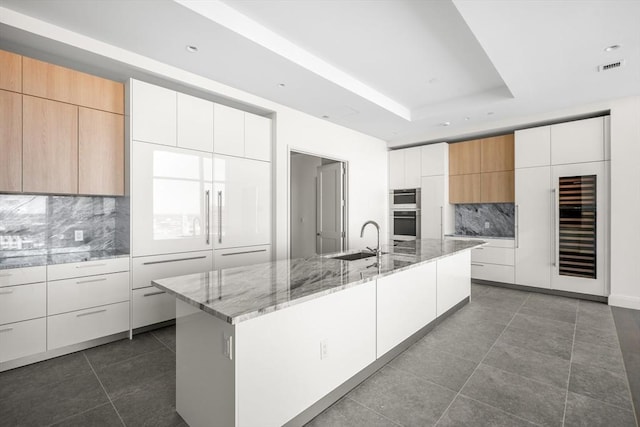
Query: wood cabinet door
[497,187]
[100,152]
[464,157]
[497,154]
[10,141]
[464,188]
[50,146]
[10,71]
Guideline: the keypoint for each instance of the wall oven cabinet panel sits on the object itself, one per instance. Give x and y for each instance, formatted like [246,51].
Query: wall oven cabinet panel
[170,200]
[242,202]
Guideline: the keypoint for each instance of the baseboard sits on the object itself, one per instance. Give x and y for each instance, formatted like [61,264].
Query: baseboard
[624,301]
[556,292]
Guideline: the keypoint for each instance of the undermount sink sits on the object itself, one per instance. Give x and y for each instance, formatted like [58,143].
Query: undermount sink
[355,256]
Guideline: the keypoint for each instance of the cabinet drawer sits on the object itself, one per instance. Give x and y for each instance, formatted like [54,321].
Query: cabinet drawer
[491,255]
[19,276]
[23,339]
[84,325]
[493,272]
[23,302]
[146,269]
[151,305]
[500,243]
[87,268]
[236,257]
[85,292]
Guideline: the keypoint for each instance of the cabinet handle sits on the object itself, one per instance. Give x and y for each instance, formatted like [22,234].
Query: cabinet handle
[173,260]
[478,249]
[207,195]
[6,330]
[6,275]
[150,294]
[441,222]
[91,312]
[245,252]
[91,281]
[477,265]
[517,226]
[90,265]
[7,292]
[553,226]
[219,216]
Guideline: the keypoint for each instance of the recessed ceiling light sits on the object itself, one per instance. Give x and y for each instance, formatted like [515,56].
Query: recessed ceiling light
[432,80]
[612,48]
[325,117]
[490,113]
[445,124]
[191,48]
[282,84]
[467,118]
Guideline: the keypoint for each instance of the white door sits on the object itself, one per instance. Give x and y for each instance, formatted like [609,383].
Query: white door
[579,218]
[330,205]
[578,141]
[396,170]
[242,202]
[195,123]
[432,207]
[153,113]
[412,167]
[534,197]
[228,130]
[170,200]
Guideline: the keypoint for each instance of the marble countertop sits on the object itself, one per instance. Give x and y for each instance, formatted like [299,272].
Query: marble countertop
[41,259]
[467,236]
[238,294]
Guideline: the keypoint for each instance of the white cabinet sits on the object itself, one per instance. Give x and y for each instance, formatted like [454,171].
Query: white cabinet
[82,292]
[406,302]
[494,261]
[151,305]
[404,168]
[87,268]
[23,302]
[532,148]
[146,269]
[578,141]
[153,113]
[453,282]
[242,202]
[437,215]
[195,123]
[241,134]
[533,226]
[435,159]
[19,276]
[23,339]
[170,200]
[236,257]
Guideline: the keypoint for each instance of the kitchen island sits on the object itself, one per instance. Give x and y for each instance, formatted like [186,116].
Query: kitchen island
[276,343]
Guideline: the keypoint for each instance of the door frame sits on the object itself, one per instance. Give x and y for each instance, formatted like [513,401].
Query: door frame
[294,149]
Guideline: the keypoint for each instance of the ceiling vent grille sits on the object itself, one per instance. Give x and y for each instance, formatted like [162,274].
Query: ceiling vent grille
[611,65]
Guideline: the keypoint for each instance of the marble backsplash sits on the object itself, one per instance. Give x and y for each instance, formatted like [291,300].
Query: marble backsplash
[472,219]
[38,225]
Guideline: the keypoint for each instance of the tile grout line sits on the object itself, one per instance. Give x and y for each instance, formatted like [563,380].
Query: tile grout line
[104,389]
[501,410]
[372,410]
[77,414]
[624,367]
[162,342]
[573,343]
[480,363]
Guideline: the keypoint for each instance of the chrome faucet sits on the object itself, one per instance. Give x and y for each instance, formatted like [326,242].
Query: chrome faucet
[375,224]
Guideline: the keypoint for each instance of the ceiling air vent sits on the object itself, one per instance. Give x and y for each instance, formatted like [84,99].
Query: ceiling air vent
[611,65]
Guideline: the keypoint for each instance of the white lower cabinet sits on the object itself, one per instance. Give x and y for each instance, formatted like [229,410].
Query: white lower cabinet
[84,325]
[146,269]
[406,301]
[23,339]
[493,272]
[84,292]
[236,257]
[454,284]
[23,302]
[151,305]
[19,276]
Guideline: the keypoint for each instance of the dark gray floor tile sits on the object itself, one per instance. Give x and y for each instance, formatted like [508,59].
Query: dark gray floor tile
[600,384]
[628,327]
[403,398]
[504,291]
[549,343]
[598,355]
[127,377]
[522,397]
[478,314]
[108,354]
[507,302]
[538,300]
[584,412]
[468,412]
[542,326]
[487,329]
[29,379]
[152,404]
[593,307]
[441,368]
[102,416]
[347,413]
[466,345]
[53,402]
[530,364]
[589,335]
[167,336]
[595,315]
[559,315]
[477,289]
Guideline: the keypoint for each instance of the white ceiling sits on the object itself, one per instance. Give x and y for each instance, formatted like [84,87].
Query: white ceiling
[395,69]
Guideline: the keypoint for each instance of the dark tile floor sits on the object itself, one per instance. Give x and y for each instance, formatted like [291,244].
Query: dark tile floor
[508,358]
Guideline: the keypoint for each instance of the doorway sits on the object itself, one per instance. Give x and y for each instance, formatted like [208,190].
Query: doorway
[318,208]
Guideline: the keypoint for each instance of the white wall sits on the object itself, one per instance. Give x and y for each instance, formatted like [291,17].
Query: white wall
[303,205]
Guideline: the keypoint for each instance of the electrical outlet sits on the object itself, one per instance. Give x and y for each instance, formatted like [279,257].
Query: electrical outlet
[324,349]
[79,235]
[487,225]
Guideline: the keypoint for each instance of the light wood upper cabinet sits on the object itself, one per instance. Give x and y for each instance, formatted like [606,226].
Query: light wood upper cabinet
[100,152]
[10,141]
[464,157]
[496,154]
[464,188]
[10,71]
[50,146]
[63,84]
[497,187]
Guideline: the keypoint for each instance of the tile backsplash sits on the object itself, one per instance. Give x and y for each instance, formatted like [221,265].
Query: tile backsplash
[472,219]
[35,224]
